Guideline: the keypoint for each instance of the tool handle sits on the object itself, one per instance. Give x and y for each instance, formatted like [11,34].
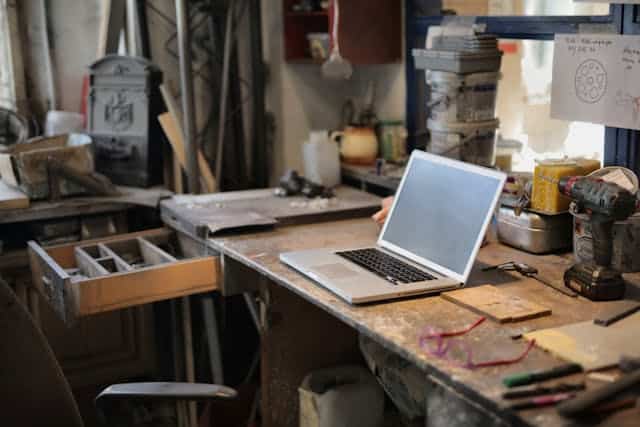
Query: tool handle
[602,232]
[526,378]
[566,291]
[580,404]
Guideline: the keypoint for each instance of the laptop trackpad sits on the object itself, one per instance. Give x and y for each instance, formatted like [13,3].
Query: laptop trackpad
[334,271]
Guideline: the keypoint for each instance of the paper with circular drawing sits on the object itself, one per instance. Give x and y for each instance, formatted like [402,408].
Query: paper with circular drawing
[595,79]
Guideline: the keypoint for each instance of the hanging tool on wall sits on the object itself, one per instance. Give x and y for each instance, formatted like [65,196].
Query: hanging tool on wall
[529,271]
[606,203]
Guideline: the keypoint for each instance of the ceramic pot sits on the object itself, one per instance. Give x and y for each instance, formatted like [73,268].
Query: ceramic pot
[358,145]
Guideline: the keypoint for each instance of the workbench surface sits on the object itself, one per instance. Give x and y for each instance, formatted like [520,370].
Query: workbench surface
[81,205]
[397,325]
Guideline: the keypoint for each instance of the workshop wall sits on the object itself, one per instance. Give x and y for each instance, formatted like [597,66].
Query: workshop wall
[298,96]
[73,32]
[301,99]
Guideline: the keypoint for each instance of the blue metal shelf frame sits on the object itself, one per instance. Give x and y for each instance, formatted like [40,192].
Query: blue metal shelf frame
[621,145]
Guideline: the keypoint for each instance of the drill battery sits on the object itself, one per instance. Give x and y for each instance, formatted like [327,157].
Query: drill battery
[595,282]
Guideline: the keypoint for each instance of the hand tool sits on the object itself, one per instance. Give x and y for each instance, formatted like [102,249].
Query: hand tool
[540,401]
[292,184]
[529,271]
[526,378]
[583,403]
[541,391]
[606,203]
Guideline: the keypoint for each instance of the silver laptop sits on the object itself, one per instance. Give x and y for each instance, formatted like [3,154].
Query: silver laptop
[429,241]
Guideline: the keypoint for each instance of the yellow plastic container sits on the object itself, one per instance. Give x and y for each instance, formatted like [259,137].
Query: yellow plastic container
[545,196]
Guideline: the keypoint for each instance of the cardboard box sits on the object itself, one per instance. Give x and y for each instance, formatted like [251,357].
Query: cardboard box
[25,165]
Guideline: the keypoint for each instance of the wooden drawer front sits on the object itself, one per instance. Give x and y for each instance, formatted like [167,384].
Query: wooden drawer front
[100,275]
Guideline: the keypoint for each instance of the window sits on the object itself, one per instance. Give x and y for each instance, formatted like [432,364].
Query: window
[523,106]
[524,8]
[526,29]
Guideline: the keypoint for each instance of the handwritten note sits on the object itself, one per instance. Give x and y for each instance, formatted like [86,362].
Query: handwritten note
[595,79]
[607,1]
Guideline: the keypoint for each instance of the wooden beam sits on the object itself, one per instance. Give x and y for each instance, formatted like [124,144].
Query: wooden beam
[174,134]
[174,127]
[17,59]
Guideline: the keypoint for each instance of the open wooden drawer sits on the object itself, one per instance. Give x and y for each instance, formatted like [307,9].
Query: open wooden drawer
[94,276]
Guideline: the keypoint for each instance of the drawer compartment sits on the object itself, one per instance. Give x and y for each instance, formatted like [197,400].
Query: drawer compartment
[94,276]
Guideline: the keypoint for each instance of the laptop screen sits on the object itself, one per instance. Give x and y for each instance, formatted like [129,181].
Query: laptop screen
[441,212]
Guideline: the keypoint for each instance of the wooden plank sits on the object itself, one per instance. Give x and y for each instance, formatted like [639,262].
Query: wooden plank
[17,59]
[12,198]
[174,135]
[207,214]
[175,113]
[121,264]
[143,286]
[496,304]
[153,254]
[88,265]
[593,346]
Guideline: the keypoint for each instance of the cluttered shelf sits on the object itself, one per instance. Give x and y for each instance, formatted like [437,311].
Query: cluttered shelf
[388,177]
[77,206]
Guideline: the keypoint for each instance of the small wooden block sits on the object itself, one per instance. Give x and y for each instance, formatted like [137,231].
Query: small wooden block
[496,304]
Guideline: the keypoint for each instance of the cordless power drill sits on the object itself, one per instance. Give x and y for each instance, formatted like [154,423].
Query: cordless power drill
[605,203]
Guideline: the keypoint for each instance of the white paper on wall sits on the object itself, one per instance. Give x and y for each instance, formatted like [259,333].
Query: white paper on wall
[596,78]
[608,1]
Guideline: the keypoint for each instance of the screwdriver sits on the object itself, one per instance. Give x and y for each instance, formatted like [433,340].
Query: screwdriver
[529,271]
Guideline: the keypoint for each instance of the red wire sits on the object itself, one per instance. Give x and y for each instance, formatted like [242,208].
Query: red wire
[500,362]
[454,333]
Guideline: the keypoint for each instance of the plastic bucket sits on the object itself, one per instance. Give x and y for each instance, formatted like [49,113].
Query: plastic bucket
[462,97]
[469,142]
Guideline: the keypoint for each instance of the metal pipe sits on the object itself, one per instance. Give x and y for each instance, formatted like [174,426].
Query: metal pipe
[186,87]
[259,160]
[48,61]
[133,29]
[226,65]
[190,372]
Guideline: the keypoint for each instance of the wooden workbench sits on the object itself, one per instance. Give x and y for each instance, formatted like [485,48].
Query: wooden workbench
[397,325]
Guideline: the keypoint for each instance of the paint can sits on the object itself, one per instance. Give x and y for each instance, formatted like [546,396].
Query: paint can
[462,97]
[469,142]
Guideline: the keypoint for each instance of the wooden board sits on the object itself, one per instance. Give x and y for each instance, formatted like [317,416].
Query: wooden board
[498,305]
[208,214]
[591,345]
[174,134]
[147,285]
[12,198]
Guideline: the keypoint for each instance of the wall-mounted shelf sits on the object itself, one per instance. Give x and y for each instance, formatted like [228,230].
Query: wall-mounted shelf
[370,31]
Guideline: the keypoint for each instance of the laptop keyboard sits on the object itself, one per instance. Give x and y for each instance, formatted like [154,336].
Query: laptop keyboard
[386,266]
